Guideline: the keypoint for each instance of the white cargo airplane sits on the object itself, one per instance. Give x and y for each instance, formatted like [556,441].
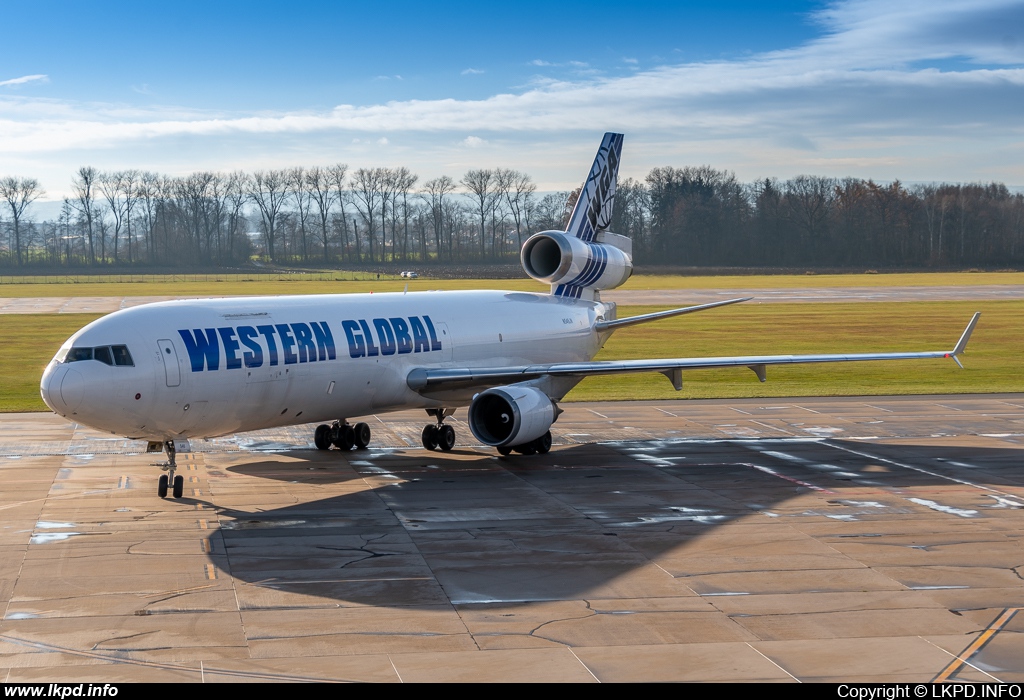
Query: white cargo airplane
[171,371]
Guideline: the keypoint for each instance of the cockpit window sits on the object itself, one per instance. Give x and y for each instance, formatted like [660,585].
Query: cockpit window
[107,354]
[78,354]
[103,355]
[122,357]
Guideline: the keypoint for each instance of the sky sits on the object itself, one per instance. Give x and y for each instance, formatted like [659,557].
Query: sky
[917,91]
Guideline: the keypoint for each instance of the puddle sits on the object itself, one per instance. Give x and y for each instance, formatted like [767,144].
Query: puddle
[47,537]
[944,509]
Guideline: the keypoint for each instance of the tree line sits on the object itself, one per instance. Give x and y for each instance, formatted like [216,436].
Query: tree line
[693,216]
[704,217]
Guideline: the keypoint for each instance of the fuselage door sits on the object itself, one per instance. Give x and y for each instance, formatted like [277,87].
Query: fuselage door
[170,358]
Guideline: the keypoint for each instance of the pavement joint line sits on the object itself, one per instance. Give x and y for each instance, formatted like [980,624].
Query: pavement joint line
[584,665]
[964,657]
[159,664]
[921,470]
[773,662]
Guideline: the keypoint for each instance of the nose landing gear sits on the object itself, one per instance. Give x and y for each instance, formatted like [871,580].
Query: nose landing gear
[438,435]
[169,480]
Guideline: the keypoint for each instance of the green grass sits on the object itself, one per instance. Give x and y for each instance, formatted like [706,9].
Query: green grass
[351,282]
[898,279]
[30,341]
[240,285]
[993,360]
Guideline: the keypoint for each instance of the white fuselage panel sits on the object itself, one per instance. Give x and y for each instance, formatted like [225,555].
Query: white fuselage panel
[209,367]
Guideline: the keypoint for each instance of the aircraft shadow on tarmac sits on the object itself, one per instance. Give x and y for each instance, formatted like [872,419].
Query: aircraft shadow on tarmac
[425,529]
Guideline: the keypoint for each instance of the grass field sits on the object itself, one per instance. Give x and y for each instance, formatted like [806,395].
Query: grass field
[350,282]
[993,360]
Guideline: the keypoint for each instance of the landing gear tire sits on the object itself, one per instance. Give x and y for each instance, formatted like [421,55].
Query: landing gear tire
[345,438]
[529,448]
[446,438]
[322,437]
[504,451]
[544,443]
[179,486]
[161,489]
[362,435]
[429,437]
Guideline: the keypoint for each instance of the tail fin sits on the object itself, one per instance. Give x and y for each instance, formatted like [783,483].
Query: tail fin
[593,210]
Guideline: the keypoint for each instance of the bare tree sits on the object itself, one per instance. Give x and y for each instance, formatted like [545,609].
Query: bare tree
[112,187]
[303,202]
[19,193]
[149,193]
[368,195]
[480,184]
[320,182]
[268,189]
[518,189]
[337,174]
[435,193]
[404,181]
[236,187]
[83,184]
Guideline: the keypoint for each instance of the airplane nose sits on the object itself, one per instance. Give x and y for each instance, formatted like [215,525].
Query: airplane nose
[62,389]
[72,389]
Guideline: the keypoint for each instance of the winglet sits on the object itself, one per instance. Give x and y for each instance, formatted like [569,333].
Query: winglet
[961,344]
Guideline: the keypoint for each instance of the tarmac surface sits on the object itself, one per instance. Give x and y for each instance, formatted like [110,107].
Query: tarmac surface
[819,539]
[669,297]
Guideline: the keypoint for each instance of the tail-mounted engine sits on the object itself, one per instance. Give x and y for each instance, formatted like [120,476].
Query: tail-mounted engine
[507,416]
[575,268]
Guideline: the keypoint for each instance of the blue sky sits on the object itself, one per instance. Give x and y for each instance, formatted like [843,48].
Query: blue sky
[920,91]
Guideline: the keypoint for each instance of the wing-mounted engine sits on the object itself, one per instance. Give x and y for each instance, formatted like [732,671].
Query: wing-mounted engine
[507,416]
[576,268]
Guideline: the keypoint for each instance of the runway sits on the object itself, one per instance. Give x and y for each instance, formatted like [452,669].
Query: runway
[666,297]
[818,539]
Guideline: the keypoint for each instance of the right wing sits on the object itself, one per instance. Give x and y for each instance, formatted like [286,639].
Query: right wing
[424,380]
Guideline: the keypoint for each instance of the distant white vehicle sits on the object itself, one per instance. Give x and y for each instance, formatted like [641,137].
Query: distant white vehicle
[409,274]
[199,368]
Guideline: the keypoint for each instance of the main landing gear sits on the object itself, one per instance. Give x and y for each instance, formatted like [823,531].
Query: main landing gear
[342,435]
[169,480]
[439,435]
[541,445]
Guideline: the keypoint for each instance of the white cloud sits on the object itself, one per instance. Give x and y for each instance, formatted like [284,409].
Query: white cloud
[473,141]
[26,79]
[472,71]
[383,141]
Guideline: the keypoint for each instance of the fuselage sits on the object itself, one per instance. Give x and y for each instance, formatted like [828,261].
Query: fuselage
[208,367]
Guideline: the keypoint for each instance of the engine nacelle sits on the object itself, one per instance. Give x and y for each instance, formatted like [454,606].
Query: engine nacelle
[507,416]
[570,264]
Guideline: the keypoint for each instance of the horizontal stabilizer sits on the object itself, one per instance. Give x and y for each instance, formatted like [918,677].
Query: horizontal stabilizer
[646,318]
